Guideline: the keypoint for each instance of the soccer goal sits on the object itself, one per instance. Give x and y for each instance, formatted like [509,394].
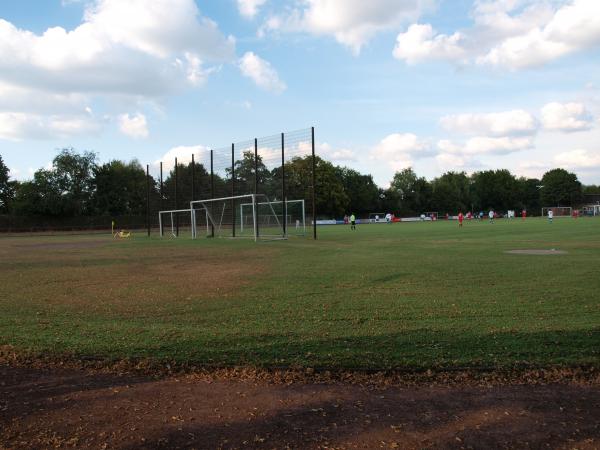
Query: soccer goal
[376,217]
[291,215]
[225,218]
[558,211]
[176,221]
[591,210]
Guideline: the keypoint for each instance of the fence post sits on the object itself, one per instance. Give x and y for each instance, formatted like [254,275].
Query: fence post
[257,231]
[176,199]
[212,192]
[233,190]
[148,198]
[314,187]
[283,193]
[193,178]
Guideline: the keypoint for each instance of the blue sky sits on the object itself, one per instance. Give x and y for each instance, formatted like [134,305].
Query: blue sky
[436,85]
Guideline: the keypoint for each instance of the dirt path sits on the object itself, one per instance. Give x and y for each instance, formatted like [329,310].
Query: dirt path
[73,408]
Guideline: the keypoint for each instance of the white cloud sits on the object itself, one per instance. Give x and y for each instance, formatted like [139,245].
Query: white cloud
[420,43]
[335,155]
[507,123]
[184,153]
[574,27]
[134,49]
[512,34]
[566,117]
[134,126]
[261,72]
[249,8]
[400,150]
[19,126]
[352,23]
[482,145]
[578,159]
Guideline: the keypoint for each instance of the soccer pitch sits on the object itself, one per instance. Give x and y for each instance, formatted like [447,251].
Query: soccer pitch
[388,296]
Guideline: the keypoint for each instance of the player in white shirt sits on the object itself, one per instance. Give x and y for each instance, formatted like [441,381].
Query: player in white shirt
[550,215]
[491,216]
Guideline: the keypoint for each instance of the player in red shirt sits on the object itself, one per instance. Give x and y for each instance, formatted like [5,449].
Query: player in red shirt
[460,219]
[523,214]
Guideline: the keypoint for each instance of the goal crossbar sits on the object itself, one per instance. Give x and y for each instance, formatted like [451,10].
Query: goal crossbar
[217,222]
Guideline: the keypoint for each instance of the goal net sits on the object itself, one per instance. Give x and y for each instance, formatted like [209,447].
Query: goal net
[226,217]
[290,215]
[558,211]
[177,221]
[591,210]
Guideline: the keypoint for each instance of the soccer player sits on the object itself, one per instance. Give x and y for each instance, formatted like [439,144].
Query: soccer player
[460,218]
[352,221]
[491,215]
[523,215]
[550,215]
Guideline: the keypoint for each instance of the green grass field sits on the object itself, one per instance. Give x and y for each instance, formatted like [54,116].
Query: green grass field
[410,296]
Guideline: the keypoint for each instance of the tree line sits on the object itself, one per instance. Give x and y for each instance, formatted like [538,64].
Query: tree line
[77,185]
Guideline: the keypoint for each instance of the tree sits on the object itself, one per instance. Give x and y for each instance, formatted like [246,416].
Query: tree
[495,189]
[331,198]
[414,193]
[529,194]
[201,186]
[64,190]
[362,192]
[560,188]
[120,189]
[451,193]
[7,188]
[591,189]
[246,173]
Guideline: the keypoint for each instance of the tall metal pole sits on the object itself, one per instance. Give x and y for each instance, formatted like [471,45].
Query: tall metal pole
[212,191]
[233,189]
[176,199]
[148,198]
[283,193]
[314,187]
[162,197]
[193,178]
[256,230]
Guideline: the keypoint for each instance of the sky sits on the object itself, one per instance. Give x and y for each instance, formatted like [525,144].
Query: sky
[436,85]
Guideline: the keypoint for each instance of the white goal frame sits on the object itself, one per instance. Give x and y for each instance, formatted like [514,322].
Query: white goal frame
[278,202]
[216,221]
[554,208]
[192,213]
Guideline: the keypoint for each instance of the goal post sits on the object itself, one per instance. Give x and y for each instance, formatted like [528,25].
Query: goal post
[175,220]
[290,212]
[557,211]
[223,221]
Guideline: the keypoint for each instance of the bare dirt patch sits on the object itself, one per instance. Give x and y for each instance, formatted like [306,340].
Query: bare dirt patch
[63,245]
[47,408]
[537,252]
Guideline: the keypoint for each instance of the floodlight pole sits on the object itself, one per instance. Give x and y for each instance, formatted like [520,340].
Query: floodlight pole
[162,198]
[233,190]
[314,188]
[283,193]
[176,199]
[256,230]
[148,198]
[212,191]
[193,178]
